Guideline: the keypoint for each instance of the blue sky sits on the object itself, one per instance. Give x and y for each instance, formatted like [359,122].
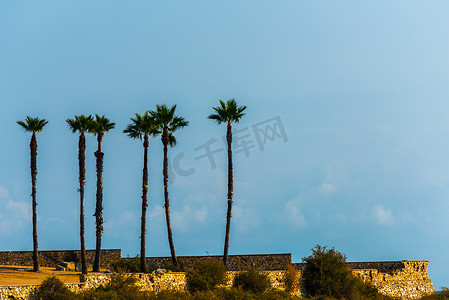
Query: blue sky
[360,89]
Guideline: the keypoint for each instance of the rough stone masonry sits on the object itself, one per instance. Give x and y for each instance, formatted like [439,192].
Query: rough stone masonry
[403,279]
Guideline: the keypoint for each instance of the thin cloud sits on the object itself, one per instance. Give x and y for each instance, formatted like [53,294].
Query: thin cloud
[245,219]
[182,220]
[293,214]
[382,216]
[327,187]
[4,193]
[14,214]
[155,211]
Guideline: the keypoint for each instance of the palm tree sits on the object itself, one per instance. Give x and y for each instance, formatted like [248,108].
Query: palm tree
[228,112]
[143,127]
[100,125]
[81,124]
[167,123]
[34,125]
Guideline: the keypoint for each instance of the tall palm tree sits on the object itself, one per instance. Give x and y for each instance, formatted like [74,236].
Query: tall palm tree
[34,125]
[81,124]
[167,123]
[143,127]
[100,125]
[228,112]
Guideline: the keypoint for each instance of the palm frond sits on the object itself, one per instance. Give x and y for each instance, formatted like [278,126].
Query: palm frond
[171,140]
[34,125]
[142,125]
[215,117]
[80,123]
[227,112]
[100,125]
[165,119]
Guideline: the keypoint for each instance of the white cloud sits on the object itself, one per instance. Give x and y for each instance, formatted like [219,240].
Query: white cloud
[182,220]
[245,219]
[200,215]
[327,187]
[341,217]
[128,216]
[155,211]
[382,216]
[20,209]
[4,194]
[293,214]
[14,215]
[336,172]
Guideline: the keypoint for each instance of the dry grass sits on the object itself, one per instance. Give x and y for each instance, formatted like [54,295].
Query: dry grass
[24,275]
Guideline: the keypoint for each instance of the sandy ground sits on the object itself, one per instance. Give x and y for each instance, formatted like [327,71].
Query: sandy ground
[21,275]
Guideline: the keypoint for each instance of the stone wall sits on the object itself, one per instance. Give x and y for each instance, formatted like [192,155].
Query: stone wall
[147,282]
[23,292]
[263,262]
[174,280]
[235,262]
[409,282]
[405,279]
[52,258]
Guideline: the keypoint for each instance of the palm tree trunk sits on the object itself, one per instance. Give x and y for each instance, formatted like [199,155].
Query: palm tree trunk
[167,204]
[144,205]
[230,193]
[82,180]
[99,209]
[33,152]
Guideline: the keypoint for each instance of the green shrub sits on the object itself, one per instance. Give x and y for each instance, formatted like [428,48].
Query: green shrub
[240,294]
[99,294]
[252,280]
[126,265]
[171,267]
[124,284]
[121,287]
[291,278]
[233,294]
[443,295]
[206,295]
[172,295]
[326,274]
[52,289]
[206,276]
[274,294]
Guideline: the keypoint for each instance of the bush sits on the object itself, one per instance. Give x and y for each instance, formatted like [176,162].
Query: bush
[240,294]
[326,274]
[443,295]
[52,289]
[124,284]
[171,267]
[291,278]
[127,265]
[172,295]
[252,280]
[206,276]
[274,294]
[233,294]
[121,287]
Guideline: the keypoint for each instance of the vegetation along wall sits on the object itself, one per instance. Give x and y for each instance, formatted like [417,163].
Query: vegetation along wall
[404,279]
